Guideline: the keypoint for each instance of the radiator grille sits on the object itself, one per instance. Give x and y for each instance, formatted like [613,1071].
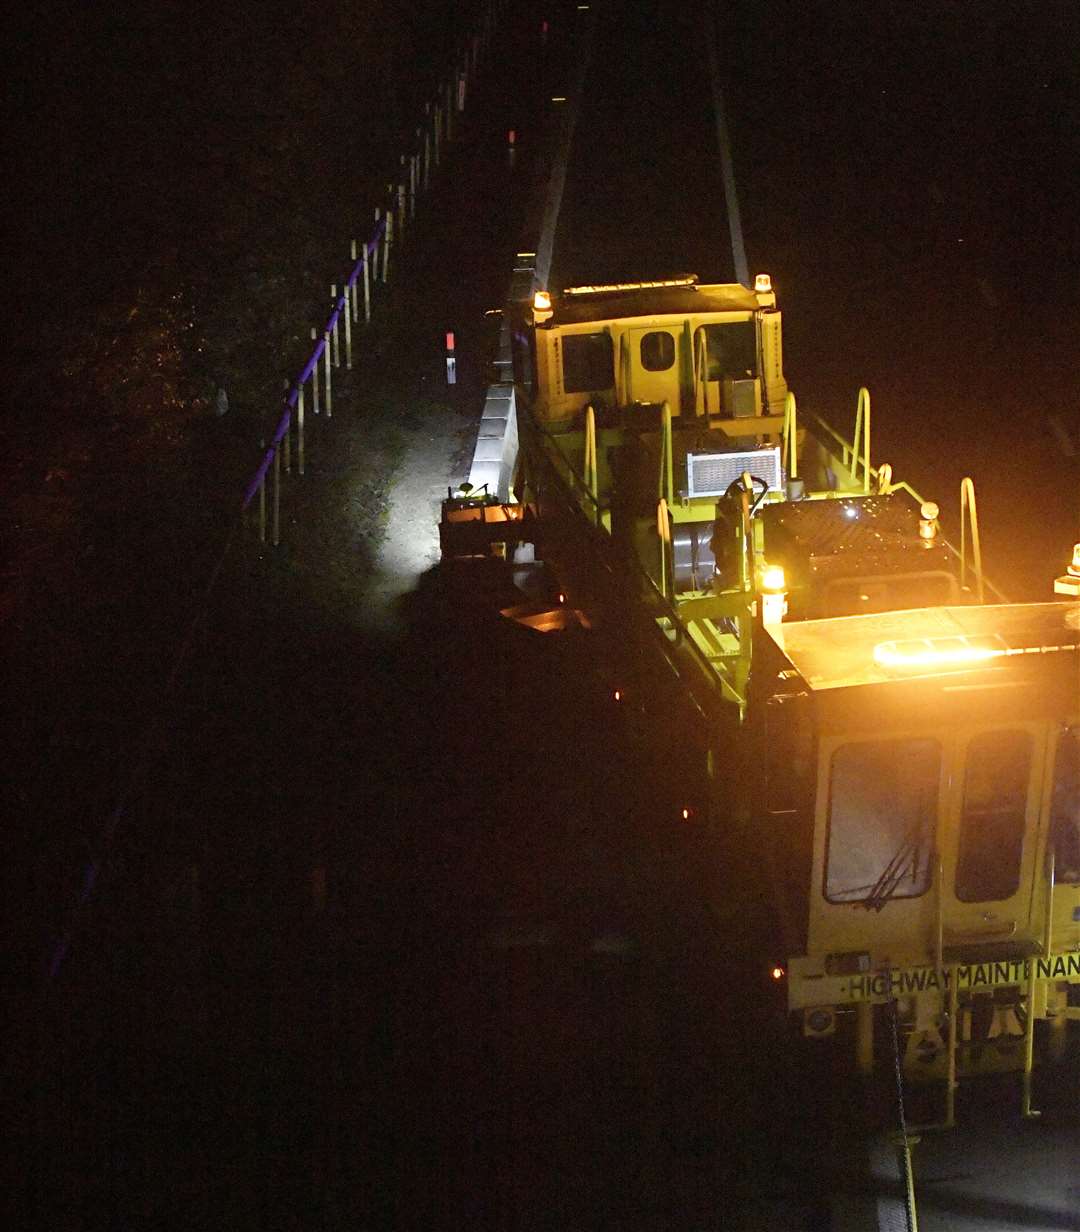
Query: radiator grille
[711,474]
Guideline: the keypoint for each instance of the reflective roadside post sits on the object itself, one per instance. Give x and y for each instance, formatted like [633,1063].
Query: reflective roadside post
[350,307]
[262,499]
[367,284]
[334,315]
[277,495]
[327,375]
[288,432]
[300,429]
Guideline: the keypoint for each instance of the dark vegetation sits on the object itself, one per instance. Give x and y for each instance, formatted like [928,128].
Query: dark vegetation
[189,179]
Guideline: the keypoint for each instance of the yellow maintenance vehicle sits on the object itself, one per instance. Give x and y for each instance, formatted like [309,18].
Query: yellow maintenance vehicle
[894,747]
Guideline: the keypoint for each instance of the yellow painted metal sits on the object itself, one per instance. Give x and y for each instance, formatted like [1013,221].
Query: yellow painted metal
[590,454]
[968,512]
[862,437]
[746,573]
[950,1076]
[884,478]
[667,461]
[701,376]
[909,1180]
[1026,1108]
[939,914]
[761,425]
[663,530]
[864,1037]
[791,439]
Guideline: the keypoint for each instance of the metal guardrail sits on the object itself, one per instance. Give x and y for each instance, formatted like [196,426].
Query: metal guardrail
[371,267]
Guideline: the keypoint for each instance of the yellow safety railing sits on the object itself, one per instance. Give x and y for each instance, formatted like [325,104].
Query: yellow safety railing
[846,451]
[969,511]
[591,480]
[701,375]
[663,529]
[862,436]
[791,438]
[667,460]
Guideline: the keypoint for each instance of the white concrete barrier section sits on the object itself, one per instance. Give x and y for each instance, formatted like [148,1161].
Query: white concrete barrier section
[496,442]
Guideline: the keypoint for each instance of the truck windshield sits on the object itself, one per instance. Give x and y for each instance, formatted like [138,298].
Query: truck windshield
[992,824]
[882,808]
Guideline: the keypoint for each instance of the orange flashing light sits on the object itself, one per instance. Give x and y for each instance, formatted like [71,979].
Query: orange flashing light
[927,652]
[772,579]
[617,695]
[763,284]
[778,973]
[928,520]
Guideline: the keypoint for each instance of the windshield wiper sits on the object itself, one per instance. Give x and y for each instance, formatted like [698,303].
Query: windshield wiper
[894,872]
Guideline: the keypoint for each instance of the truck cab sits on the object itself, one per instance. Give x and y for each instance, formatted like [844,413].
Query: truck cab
[940,824]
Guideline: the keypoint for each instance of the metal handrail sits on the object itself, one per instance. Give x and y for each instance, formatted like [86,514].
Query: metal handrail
[667,460]
[885,471]
[663,530]
[862,435]
[591,480]
[790,438]
[968,510]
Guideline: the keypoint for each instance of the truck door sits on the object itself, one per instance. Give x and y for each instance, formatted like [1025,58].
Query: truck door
[655,365]
[992,841]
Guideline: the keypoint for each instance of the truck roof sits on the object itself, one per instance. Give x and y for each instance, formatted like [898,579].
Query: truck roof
[609,305]
[845,651]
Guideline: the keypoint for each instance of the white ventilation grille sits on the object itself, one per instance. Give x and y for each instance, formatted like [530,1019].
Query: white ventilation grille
[711,474]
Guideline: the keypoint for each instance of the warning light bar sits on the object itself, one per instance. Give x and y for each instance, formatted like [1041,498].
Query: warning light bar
[938,652]
[687,280]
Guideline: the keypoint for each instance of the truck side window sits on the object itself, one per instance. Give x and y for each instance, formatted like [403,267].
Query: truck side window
[657,351]
[992,823]
[730,350]
[588,363]
[882,812]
